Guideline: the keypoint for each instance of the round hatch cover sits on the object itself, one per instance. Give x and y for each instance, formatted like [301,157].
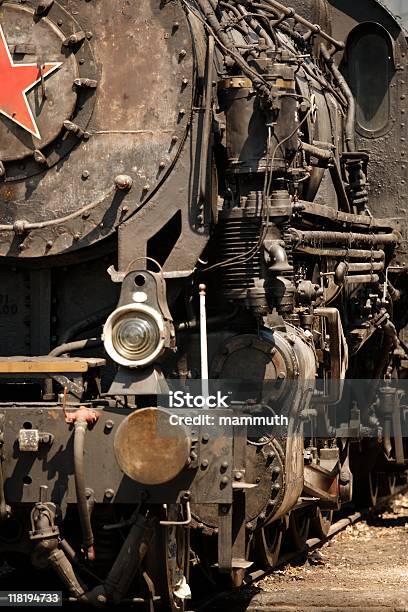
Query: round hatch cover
[37,82]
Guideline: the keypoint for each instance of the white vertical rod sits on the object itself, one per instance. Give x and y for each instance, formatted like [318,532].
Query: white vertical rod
[203,341]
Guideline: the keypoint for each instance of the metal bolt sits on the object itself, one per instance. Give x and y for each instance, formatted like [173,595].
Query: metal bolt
[224,465]
[182,53]
[162,165]
[76,236]
[123,182]
[276,486]
[109,425]
[238,476]
[224,480]
[185,81]
[204,464]
[146,187]
[109,493]
[49,244]
[174,139]
[205,438]
[182,112]
[85,174]
[101,599]
[281,375]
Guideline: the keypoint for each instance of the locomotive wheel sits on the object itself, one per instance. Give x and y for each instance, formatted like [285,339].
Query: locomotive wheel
[299,528]
[321,522]
[167,561]
[268,541]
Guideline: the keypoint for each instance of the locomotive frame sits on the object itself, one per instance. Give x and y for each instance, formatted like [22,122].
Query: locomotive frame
[216,189]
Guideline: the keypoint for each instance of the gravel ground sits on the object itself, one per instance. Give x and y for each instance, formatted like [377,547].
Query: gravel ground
[365,568]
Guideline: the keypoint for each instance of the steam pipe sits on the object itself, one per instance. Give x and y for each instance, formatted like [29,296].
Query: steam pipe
[81,427]
[344,238]
[79,345]
[351,112]
[316,29]
[205,142]
[339,252]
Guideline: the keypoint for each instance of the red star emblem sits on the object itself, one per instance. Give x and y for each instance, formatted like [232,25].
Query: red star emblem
[16,80]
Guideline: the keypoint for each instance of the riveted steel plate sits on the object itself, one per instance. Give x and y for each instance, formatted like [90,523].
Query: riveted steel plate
[134,122]
[37,42]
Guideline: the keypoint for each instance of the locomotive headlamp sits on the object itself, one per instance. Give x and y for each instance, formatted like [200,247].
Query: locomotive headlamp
[134,335]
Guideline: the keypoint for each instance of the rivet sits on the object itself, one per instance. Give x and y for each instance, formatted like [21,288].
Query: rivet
[76,237]
[146,187]
[238,476]
[174,139]
[109,425]
[162,165]
[205,438]
[85,174]
[123,182]
[204,464]
[224,480]
[49,244]
[109,493]
[183,53]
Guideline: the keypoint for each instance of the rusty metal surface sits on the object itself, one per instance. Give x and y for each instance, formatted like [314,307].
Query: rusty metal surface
[136,128]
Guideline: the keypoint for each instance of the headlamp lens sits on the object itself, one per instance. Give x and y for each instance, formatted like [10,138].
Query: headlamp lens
[136,336]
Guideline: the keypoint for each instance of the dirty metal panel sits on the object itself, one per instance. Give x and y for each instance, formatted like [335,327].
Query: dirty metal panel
[52,465]
[140,55]
[15,303]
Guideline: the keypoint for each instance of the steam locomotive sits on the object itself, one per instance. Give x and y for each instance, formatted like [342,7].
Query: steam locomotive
[197,196]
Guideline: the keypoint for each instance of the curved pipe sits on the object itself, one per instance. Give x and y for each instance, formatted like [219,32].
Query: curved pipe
[97,318]
[345,89]
[79,345]
[81,427]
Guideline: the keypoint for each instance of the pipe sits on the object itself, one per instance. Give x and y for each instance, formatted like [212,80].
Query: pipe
[315,29]
[366,267]
[81,427]
[323,154]
[361,279]
[127,563]
[79,345]
[327,237]
[211,19]
[205,136]
[339,252]
[345,89]
[97,318]
[211,321]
